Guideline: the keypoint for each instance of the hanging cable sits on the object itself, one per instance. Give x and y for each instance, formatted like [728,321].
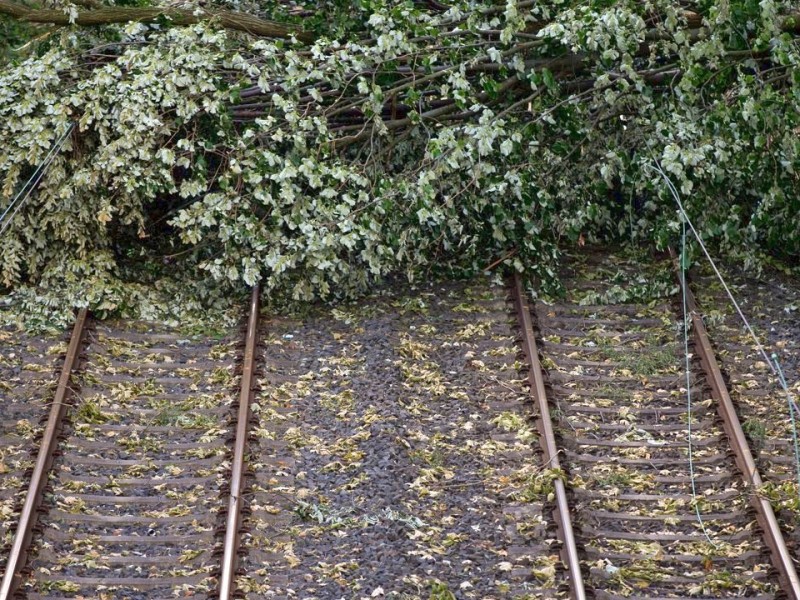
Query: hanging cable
[772,365]
[675,195]
[792,417]
[683,263]
[32,182]
[772,360]
[46,161]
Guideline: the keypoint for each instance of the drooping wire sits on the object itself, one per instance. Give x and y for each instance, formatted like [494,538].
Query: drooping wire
[792,417]
[772,361]
[683,263]
[36,172]
[32,182]
[675,195]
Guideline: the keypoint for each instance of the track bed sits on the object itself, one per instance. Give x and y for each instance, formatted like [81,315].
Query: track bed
[618,391]
[28,374]
[393,456]
[401,447]
[137,487]
[772,306]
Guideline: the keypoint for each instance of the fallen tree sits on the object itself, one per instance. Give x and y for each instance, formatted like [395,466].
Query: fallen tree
[359,140]
[98,15]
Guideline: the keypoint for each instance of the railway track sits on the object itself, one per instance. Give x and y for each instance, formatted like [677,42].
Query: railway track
[388,453]
[28,374]
[394,449]
[616,388]
[771,307]
[129,494]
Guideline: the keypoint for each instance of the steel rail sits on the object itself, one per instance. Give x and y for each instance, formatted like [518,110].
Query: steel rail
[569,550]
[44,461]
[231,545]
[765,515]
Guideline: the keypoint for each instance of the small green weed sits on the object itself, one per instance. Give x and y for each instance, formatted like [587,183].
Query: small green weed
[441,591]
[89,412]
[756,432]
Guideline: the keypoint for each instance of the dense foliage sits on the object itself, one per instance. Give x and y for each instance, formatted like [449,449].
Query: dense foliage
[408,137]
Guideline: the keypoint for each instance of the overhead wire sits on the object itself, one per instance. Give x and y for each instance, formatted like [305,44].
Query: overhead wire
[714,267]
[792,418]
[683,262]
[24,192]
[771,360]
[692,476]
[46,160]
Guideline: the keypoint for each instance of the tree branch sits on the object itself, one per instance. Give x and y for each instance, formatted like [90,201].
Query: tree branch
[114,14]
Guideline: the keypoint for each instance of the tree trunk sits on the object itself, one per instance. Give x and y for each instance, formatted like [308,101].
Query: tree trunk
[179,16]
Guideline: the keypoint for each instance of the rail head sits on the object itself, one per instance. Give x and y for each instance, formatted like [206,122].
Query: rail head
[17,558]
[547,440]
[765,515]
[230,554]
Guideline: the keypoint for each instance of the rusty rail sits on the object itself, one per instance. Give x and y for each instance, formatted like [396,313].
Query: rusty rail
[781,559]
[44,461]
[231,544]
[569,550]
